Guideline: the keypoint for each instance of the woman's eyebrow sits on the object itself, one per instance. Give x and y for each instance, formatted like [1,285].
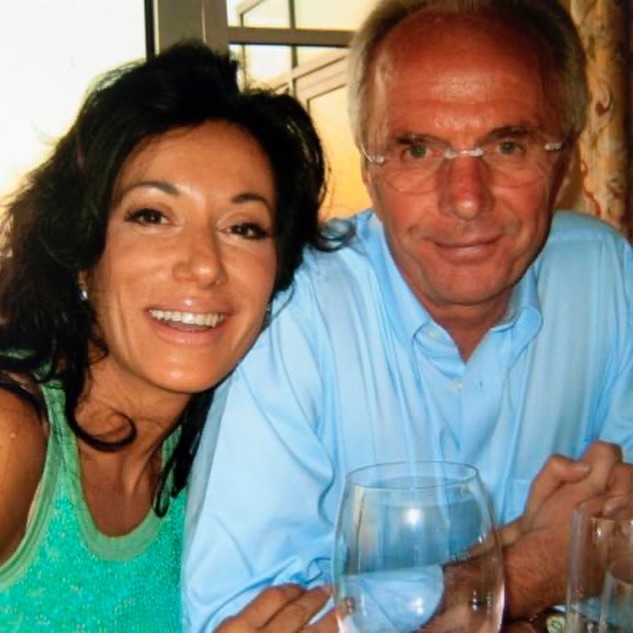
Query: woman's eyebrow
[251,196]
[161,185]
[173,190]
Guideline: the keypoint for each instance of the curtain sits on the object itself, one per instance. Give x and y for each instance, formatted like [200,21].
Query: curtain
[606,169]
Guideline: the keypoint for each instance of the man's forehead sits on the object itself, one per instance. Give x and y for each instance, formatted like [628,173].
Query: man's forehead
[438,37]
[456,60]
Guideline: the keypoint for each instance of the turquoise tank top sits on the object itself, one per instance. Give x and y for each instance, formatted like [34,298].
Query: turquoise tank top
[68,576]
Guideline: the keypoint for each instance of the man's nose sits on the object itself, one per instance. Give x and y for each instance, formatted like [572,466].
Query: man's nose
[464,187]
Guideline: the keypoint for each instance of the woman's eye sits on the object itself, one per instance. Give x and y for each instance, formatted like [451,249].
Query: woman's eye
[146,216]
[249,231]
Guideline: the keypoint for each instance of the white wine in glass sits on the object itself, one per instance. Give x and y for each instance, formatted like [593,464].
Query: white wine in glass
[416,550]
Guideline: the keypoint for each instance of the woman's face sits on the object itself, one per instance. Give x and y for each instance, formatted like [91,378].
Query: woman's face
[181,289]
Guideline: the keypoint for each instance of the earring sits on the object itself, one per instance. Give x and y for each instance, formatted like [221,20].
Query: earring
[83,293]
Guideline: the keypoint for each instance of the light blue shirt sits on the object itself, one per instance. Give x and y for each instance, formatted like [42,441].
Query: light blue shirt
[353,371]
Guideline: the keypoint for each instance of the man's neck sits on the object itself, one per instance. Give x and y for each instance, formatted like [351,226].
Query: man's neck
[467,325]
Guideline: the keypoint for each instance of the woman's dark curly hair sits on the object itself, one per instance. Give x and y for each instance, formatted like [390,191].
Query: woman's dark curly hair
[55,226]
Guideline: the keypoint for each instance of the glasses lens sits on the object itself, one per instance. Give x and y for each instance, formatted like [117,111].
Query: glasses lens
[506,162]
[515,162]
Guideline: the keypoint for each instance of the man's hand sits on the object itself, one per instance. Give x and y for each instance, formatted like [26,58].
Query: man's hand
[283,609]
[536,545]
[556,472]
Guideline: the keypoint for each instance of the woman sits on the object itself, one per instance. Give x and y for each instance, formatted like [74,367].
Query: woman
[137,268]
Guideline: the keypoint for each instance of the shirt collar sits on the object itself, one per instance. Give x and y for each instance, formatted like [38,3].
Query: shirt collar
[523,318]
[524,300]
[405,312]
[524,308]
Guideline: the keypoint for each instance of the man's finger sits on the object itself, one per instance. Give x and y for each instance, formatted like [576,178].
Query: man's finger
[267,604]
[294,615]
[603,458]
[327,624]
[621,479]
[558,470]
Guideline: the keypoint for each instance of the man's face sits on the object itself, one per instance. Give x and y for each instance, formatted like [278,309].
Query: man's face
[465,240]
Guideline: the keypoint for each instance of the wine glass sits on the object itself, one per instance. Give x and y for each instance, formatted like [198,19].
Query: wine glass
[416,550]
[616,615]
[602,530]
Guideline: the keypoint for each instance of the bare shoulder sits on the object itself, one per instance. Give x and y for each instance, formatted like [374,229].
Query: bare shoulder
[23,437]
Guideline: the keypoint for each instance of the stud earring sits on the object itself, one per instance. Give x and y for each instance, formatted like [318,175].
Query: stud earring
[83,293]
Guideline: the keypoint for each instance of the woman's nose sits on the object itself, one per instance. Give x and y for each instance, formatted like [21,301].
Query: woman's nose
[201,260]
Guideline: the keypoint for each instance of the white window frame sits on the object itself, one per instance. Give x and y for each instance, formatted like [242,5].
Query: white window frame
[207,20]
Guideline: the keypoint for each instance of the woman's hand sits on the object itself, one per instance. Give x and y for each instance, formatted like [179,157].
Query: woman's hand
[283,609]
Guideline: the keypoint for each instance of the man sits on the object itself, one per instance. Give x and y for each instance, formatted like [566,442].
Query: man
[464,321]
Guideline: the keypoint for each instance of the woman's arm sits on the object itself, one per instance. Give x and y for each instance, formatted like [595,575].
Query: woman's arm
[22,454]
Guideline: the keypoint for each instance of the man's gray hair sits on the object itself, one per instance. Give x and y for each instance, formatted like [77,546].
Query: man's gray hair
[556,39]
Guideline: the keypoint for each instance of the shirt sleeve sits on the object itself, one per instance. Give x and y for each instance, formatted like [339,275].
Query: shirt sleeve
[618,396]
[255,512]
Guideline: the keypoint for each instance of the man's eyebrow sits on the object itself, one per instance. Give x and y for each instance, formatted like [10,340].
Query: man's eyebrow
[413,137]
[511,130]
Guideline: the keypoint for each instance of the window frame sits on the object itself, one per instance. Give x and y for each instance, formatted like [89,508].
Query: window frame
[207,20]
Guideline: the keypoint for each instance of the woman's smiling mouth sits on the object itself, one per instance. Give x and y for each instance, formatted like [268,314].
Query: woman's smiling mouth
[210,319]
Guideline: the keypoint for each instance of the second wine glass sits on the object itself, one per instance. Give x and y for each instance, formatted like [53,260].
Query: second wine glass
[616,613]
[416,550]
[602,531]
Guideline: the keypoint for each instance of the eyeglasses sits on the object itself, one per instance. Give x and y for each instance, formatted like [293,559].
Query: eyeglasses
[514,158]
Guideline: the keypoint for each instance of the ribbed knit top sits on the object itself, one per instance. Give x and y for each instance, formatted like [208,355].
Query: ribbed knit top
[68,576]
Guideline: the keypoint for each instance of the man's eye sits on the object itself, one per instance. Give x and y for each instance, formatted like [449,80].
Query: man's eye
[509,148]
[249,231]
[146,216]
[417,150]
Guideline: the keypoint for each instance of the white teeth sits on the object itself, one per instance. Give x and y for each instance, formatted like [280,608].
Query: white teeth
[188,318]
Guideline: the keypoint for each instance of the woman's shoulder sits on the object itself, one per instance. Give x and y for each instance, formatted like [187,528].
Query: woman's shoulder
[23,435]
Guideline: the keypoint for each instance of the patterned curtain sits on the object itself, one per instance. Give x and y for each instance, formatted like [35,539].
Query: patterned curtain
[606,147]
